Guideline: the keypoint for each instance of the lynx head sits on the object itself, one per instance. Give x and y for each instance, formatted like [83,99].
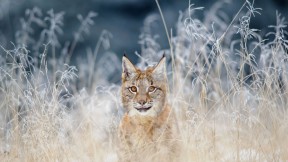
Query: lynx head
[144,91]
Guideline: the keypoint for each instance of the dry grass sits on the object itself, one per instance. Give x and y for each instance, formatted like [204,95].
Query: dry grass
[228,91]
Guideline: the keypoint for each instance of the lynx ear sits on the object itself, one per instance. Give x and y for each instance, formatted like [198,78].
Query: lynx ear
[128,68]
[159,71]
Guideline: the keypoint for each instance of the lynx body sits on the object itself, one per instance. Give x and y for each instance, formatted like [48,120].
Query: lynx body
[147,127]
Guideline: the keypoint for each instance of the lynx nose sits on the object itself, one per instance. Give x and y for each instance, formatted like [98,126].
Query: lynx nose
[142,102]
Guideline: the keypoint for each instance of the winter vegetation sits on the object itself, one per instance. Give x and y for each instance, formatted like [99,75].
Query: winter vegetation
[228,88]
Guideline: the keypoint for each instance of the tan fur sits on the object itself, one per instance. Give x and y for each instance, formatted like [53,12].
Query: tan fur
[146,136]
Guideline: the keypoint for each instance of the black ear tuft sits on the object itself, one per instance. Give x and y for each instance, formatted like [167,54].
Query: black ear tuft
[163,55]
[124,55]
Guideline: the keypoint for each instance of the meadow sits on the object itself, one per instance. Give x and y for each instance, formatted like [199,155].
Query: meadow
[228,88]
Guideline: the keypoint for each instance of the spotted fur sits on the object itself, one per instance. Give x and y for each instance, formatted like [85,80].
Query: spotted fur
[148,123]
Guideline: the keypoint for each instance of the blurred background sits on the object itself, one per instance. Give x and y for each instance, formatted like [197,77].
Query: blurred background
[122,18]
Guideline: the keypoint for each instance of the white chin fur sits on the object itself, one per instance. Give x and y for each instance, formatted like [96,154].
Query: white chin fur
[150,112]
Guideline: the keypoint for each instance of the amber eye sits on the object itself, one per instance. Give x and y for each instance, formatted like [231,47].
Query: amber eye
[133,89]
[151,89]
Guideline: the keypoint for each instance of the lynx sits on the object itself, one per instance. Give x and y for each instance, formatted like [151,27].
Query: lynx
[147,127]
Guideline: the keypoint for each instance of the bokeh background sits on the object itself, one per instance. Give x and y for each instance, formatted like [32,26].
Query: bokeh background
[123,19]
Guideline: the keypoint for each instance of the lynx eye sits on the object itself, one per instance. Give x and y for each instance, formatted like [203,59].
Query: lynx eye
[151,89]
[133,89]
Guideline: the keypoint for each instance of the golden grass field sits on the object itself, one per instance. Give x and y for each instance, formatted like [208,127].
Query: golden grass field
[228,90]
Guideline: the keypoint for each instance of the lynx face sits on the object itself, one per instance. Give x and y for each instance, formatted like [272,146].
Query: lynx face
[143,92]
